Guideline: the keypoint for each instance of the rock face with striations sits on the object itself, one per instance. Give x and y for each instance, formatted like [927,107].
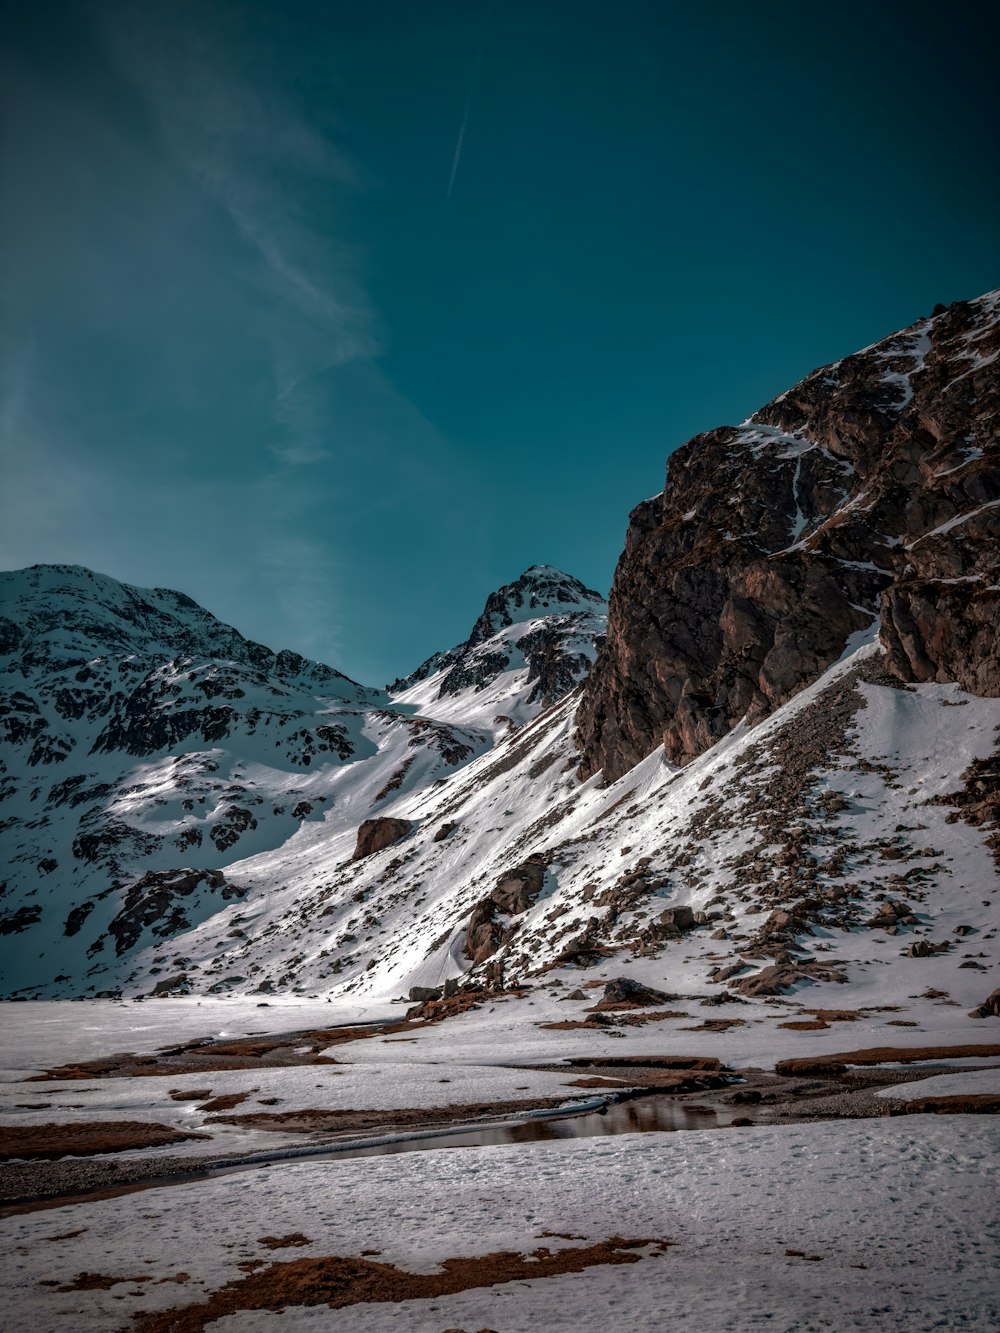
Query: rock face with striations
[869,490]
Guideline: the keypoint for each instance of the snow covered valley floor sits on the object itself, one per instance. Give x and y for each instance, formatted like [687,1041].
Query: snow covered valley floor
[783,1215]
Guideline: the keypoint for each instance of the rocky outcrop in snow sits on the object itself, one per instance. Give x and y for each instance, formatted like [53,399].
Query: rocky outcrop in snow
[870,489]
[376,834]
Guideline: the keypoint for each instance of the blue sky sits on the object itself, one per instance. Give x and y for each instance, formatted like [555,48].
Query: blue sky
[250,347]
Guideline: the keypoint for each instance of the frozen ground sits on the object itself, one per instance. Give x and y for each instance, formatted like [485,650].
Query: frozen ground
[473,1059]
[894,1222]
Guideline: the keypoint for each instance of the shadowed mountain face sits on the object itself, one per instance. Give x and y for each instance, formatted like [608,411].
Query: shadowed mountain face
[869,490]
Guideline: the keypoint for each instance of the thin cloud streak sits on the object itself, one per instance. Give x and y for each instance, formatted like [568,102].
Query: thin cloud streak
[456,159]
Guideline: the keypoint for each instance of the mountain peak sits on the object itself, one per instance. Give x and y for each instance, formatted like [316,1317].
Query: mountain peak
[534,639]
[540,590]
[57,615]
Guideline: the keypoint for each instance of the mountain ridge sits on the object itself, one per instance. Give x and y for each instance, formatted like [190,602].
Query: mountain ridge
[771,781]
[148,745]
[868,490]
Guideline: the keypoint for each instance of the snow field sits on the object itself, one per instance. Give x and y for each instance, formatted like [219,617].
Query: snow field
[902,1214]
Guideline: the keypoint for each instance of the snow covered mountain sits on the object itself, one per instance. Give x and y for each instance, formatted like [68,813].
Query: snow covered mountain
[780,779]
[147,746]
[536,638]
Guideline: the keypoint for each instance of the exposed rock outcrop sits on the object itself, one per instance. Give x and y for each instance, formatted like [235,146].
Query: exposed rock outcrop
[871,488]
[159,901]
[375,834]
[514,893]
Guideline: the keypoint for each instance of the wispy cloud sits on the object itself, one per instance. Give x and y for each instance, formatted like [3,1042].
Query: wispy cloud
[191,391]
[460,142]
[225,119]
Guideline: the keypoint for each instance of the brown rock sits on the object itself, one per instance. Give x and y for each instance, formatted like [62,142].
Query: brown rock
[514,893]
[375,834]
[856,493]
[623,990]
[990,1007]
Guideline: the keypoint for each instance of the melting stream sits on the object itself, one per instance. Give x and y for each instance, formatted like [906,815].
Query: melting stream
[652,1114]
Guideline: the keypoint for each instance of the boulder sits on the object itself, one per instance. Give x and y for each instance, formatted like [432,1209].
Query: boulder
[376,834]
[990,1007]
[624,990]
[781,977]
[678,919]
[513,894]
[176,985]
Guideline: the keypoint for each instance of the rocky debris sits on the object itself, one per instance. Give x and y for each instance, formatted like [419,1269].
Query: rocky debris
[624,990]
[454,997]
[376,834]
[925,949]
[489,927]
[889,915]
[445,831]
[978,800]
[990,1007]
[868,489]
[160,901]
[782,977]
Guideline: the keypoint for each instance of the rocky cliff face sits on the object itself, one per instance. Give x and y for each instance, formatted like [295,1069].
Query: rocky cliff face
[870,489]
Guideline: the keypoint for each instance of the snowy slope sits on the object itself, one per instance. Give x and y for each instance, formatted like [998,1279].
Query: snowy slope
[824,843]
[183,808]
[147,746]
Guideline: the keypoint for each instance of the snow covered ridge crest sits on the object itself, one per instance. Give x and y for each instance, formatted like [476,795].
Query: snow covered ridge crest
[867,493]
[147,745]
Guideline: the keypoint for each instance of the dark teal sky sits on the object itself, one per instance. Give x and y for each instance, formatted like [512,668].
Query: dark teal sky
[251,349]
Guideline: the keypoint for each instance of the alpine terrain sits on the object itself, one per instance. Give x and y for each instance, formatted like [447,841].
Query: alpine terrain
[721,855]
[781,772]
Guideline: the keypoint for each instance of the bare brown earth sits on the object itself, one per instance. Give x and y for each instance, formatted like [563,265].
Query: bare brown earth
[338,1282]
[979,1103]
[226,1102]
[876,1055]
[49,1142]
[205,1057]
[316,1120]
[104,1281]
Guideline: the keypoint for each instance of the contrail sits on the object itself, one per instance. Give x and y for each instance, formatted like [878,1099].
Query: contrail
[465,120]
